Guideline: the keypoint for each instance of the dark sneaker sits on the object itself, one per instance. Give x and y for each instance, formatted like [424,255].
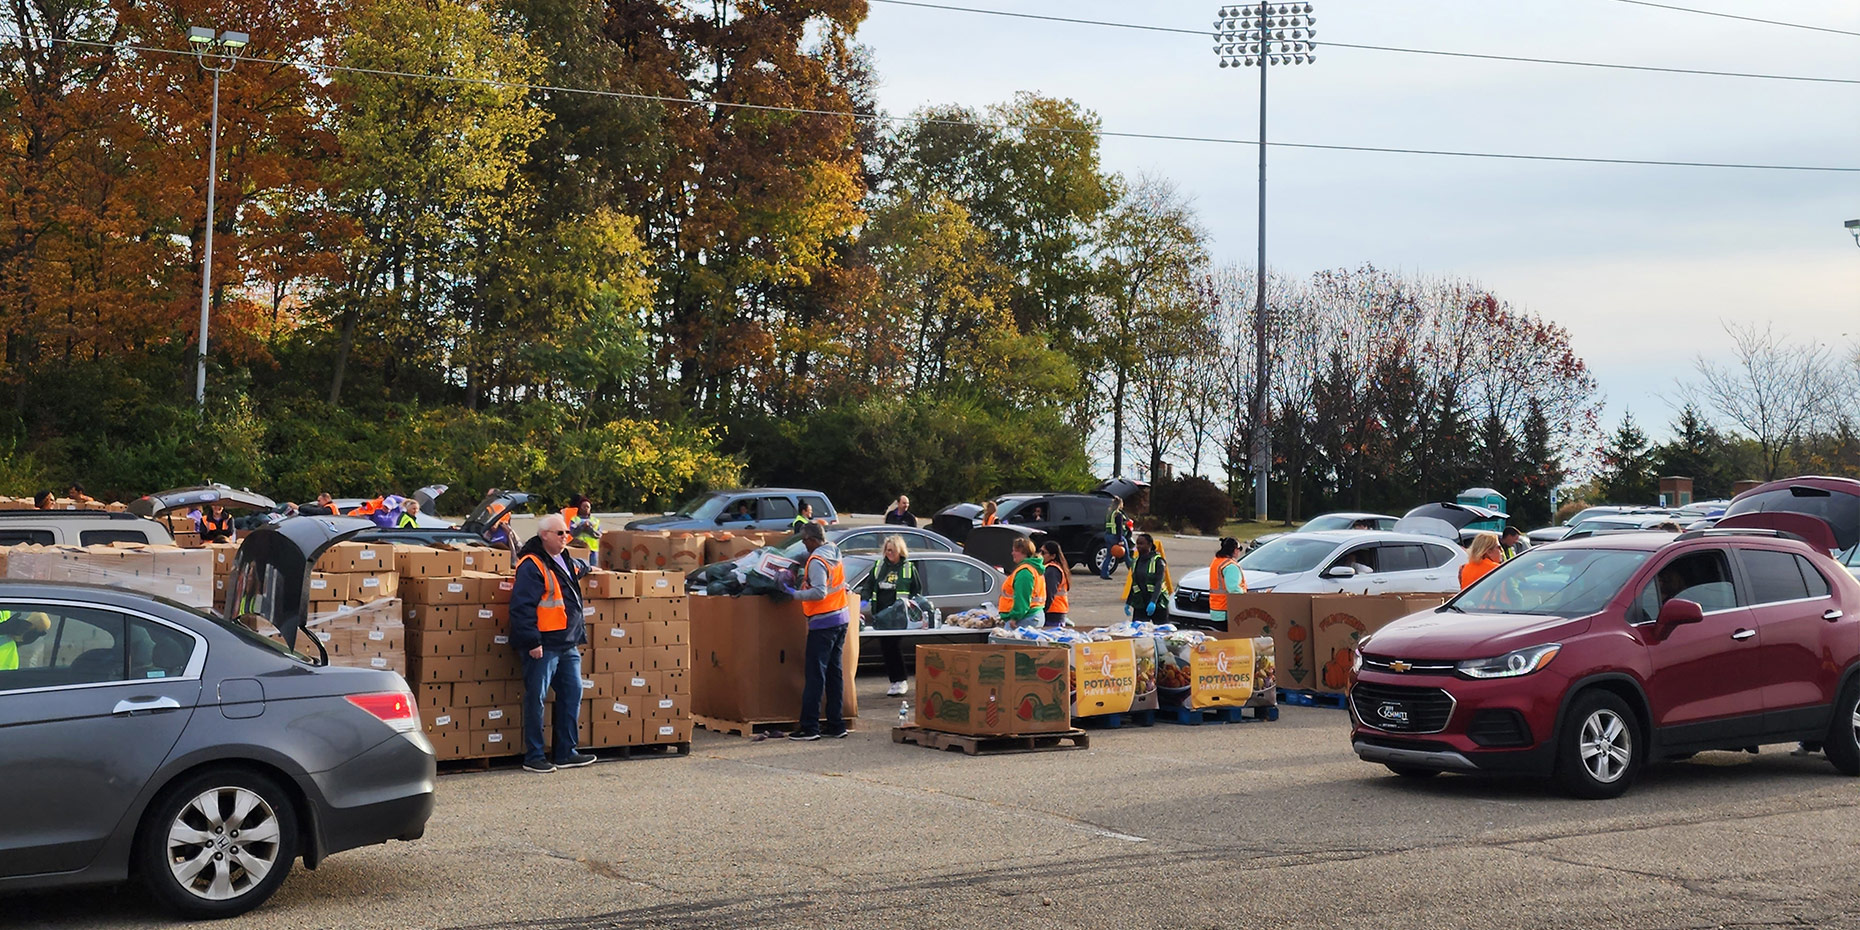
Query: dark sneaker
[576,761]
[801,736]
[839,735]
[541,768]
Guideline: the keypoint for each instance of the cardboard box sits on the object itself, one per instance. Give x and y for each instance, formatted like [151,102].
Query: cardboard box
[603,585]
[504,741]
[746,657]
[640,682]
[1340,620]
[666,731]
[616,550]
[675,681]
[1217,672]
[373,586]
[684,552]
[1104,678]
[663,633]
[499,666]
[724,547]
[450,737]
[434,616]
[495,716]
[489,588]
[668,707]
[660,584]
[432,699]
[618,731]
[424,562]
[426,669]
[356,557]
[666,658]
[441,644]
[661,609]
[993,689]
[648,550]
[493,559]
[622,635]
[438,591]
[485,693]
[1287,619]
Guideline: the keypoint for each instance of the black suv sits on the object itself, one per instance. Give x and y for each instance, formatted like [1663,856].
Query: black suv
[1074,521]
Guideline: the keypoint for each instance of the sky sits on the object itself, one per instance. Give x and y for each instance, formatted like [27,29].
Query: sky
[1643,265]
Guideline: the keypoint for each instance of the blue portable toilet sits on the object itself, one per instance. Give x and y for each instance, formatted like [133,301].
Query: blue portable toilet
[1489,499]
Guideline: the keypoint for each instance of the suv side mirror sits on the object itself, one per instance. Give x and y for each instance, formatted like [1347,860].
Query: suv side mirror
[1340,571]
[1676,613]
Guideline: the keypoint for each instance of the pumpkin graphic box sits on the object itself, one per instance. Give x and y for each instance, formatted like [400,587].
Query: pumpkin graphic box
[1004,689]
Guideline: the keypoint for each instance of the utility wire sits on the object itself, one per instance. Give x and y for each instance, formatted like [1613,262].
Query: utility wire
[1204,33]
[313,67]
[1748,19]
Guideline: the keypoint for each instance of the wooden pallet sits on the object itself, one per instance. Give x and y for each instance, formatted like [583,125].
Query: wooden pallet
[754,728]
[992,745]
[649,749]
[1312,698]
[487,763]
[1137,718]
[1231,713]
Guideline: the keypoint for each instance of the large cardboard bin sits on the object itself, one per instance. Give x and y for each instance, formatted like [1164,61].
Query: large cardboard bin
[1339,621]
[746,659]
[994,689]
[1287,619]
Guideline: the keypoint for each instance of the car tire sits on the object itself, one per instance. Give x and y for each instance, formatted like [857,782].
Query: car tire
[1598,751]
[1095,558]
[218,843]
[1411,771]
[1842,744]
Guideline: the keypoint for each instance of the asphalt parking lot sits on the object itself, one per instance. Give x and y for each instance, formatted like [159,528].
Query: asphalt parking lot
[1249,825]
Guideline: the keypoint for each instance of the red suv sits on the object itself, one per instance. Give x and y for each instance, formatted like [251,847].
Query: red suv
[1585,660]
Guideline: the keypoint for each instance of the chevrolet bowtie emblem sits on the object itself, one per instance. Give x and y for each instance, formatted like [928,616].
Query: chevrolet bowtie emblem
[1399,666]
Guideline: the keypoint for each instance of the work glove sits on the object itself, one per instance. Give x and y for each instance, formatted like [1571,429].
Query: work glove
[1150,611]
[789,590]
[1126,610]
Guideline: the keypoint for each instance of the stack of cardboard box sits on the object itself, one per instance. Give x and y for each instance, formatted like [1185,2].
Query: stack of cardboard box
[222,554]
[355,608]
[469,680]
[681,551]
[164,571]
[185,531]
[638,675]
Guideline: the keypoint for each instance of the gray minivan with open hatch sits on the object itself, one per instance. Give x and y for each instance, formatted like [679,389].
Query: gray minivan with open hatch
[185,749]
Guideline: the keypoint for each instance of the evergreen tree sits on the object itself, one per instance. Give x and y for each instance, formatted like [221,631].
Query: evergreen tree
[1540,469]
[1627,467]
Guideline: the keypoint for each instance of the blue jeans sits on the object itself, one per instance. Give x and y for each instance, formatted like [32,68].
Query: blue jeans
[1110,564]
[559,669]
[824,674]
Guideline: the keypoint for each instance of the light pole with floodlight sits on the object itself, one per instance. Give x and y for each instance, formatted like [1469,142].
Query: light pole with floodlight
[1258,35]
[1853,226]
[218,52]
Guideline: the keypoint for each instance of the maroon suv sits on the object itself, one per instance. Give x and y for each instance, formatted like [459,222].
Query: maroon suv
[1585,660]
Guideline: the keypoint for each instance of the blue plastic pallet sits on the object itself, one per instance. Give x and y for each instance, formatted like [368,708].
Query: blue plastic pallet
[1191,717]
[1312,698]
[1139,718]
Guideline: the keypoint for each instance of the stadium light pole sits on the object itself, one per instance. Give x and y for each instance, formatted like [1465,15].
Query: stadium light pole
[217,52]
[1248,36]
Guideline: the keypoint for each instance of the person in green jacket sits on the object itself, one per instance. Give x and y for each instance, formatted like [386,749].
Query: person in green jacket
[1023,599]
[892,579]
[1146,594]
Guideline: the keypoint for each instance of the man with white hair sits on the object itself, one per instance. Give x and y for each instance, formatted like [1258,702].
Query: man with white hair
[545,628]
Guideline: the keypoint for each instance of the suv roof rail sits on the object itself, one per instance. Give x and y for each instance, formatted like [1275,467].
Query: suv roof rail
[1740,531]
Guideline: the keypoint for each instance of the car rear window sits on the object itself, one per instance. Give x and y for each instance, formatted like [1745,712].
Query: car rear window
[1774,576]
[1817,582]
[1842,511]
[1288,555]
[26,538]
[1070,510]
[106,537]
[1404,557]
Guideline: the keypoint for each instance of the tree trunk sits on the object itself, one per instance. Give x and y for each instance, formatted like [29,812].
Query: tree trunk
[349,320]
[1119,385]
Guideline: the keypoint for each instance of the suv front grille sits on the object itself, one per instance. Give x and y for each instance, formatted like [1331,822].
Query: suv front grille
[1191,601]
[1397,709]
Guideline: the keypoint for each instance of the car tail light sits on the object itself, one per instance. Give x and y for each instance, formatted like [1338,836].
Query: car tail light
[394,708]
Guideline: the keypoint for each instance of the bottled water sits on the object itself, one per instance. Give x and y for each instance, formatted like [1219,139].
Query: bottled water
[904,712]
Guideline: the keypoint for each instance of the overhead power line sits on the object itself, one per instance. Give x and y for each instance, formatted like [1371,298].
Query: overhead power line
[314,67]
[1387,48]
[1748,19]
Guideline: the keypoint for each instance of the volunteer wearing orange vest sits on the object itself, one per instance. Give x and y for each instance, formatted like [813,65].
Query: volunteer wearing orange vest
[545,628]
[1484,555]
[1023,598]
[1224,578]
[826,602]
[1058,583]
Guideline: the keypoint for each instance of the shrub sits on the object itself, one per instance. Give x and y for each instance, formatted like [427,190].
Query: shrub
[1192,501]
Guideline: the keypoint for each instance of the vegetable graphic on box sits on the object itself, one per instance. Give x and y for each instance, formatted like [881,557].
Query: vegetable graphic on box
[934,664]
[1298,634]
[993,669]
[1336,672]
[991,716]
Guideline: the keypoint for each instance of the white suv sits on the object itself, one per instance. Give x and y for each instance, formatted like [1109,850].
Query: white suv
[1334,562]
[78,528]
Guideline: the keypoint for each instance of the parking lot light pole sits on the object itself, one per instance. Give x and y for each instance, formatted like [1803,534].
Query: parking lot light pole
[1258,36]
[217,52]
[1853,226]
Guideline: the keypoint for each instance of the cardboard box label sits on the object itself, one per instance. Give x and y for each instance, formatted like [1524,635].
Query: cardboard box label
[442,720]
[494,737]
[620,708]
[1104,678]
[378,662]
[1222,672]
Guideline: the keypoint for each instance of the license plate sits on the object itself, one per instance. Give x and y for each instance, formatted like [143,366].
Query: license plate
[1391,713]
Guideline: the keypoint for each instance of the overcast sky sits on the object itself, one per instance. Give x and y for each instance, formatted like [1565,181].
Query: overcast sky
[1639,263]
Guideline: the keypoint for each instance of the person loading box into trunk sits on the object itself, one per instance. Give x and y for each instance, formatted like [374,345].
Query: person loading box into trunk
[894,577]
[825,602]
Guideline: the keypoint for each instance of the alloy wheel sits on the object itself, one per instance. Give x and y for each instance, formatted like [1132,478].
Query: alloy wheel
[223,843]
[1607,745]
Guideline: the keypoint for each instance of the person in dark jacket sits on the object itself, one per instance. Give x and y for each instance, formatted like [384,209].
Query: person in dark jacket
[803,519]
[900,513]
[545,629]
[322,508]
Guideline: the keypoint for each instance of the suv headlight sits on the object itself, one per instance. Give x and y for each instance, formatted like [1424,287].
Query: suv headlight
[1511,664]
